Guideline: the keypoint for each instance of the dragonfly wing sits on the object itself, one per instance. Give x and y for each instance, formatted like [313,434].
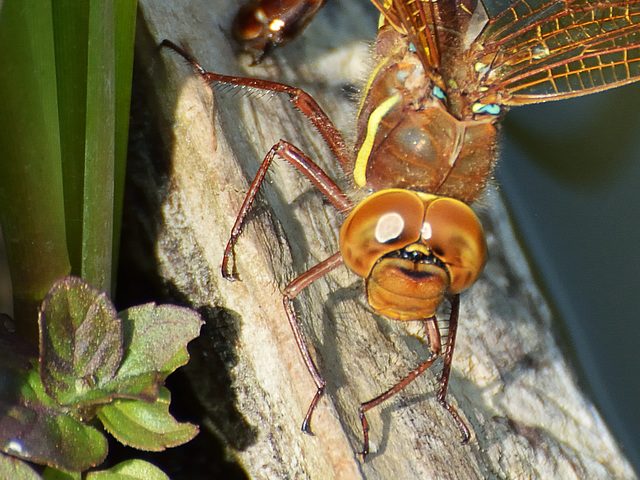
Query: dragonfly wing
[540,50]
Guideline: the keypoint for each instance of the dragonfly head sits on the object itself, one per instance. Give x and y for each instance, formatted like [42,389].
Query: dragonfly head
[412,249]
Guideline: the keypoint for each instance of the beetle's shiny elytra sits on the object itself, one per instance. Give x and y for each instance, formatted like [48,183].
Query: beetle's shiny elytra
[425,140]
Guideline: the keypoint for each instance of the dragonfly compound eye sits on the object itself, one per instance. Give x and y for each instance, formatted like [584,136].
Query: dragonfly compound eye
[412,249]
[457,238]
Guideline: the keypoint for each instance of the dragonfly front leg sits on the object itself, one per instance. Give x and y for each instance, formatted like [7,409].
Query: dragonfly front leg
[323,124]
[290,292]
[441,395]
[435,347]
[309,169]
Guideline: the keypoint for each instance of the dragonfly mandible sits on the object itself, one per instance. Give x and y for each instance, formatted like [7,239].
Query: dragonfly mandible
[426,144]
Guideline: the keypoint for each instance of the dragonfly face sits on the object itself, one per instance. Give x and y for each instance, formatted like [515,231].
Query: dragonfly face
[412,249]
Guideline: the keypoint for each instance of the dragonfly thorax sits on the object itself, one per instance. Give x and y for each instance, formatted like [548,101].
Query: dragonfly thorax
[408,138]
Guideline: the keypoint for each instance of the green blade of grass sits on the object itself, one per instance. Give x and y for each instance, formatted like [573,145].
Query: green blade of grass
[94,48]
[125,18]
[97,221]
[71,31]
[64,96]
[31,188]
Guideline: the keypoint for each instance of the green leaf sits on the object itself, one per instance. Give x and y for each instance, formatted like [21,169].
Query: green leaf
[130,470]
[155,343]
[34,428]
[94,60]
[99,148]
[146,426]
[72,445]
[82,345]
[80,342]
[31,185]
[156,338]
[56,474]
[15,469]
[82,365]
[71,33]
[125,33]
[65,91]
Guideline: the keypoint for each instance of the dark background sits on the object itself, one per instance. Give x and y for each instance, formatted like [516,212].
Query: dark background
[570,172]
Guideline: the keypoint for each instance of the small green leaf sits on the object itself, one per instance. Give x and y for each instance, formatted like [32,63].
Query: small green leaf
[146,426]
[56,474]
[130,470]
[15,469]
[156,338]
[32,428]
[77,446]
[43,405]
[155,344]
[80,342]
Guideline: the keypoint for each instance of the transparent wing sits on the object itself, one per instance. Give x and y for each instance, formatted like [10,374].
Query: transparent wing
[539,50]
[418,20]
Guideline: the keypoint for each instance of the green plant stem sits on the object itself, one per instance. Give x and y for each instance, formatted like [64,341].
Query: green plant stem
[31,187]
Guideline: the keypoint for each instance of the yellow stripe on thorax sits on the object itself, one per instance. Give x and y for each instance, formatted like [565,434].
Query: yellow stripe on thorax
[370,80]
[360,167]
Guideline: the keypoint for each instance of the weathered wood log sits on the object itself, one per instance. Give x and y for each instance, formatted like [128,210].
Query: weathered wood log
[509,379]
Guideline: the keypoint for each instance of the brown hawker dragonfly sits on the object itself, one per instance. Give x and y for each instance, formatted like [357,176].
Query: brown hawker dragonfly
[426,139]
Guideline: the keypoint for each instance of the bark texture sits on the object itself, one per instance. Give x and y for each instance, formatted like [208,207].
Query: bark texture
[509,379]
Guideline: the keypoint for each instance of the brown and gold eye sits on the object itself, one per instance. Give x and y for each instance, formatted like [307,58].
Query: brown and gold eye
[394,219]
[386,221]
[453,233]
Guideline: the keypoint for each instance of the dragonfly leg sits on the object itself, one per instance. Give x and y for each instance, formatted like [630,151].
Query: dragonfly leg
[435,347]
[303,102]
[433,335]
[309,169]
[298,97]
[446,369]
[290,292]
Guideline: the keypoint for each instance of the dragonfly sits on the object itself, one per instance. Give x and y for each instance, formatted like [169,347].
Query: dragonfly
[425,144]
